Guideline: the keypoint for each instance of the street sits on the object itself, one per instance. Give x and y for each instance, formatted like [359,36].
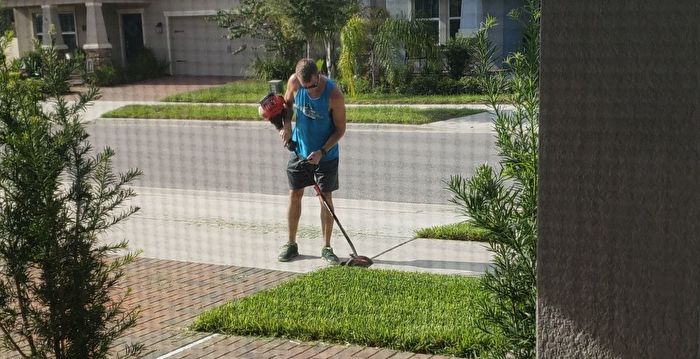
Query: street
[394,164]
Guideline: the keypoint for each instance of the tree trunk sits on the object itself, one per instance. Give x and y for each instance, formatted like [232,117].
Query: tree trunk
[329,58]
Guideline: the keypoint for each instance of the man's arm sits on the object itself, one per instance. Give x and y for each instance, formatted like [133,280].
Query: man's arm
[337,109]
[292,87]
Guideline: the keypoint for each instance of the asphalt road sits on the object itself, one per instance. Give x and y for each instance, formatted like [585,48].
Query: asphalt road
[381,163]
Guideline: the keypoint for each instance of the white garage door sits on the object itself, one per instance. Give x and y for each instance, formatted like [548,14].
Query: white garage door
[200,48]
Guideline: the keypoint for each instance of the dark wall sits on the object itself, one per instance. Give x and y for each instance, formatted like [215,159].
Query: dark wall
[619,247]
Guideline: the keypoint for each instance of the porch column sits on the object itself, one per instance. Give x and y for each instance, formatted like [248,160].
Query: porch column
[97,46]
[472,16]
[50,19]
[444,20]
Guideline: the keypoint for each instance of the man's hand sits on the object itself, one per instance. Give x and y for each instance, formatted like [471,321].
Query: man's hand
[315,157]
[286,135]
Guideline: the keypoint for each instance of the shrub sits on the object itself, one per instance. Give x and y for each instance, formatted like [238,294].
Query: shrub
[273,69]
[471,85]
[145,65]
[504,200]
[34,64]
[431,84]
[59,293]
[106,75]
[457,54]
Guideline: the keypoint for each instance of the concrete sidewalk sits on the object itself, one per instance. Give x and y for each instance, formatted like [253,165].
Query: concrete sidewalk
[243,229]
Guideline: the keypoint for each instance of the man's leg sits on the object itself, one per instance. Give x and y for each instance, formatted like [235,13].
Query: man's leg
[290,249]
[294,213]
[327,218]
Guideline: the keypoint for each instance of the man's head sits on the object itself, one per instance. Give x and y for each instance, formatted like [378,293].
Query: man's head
[307,73]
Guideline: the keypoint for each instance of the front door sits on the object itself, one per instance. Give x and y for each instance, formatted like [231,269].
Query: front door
[132,26]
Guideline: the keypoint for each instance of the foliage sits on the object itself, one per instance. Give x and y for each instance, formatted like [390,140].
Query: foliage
[273,68]
[418,312]
[59,294]
[257,19]
[144,65]
[505,201]
[317,19]
[36,62]
[457,54]
[358,55]
[106,75]
[392,45]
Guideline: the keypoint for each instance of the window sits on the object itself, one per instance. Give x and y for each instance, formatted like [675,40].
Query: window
[429,12]
[70,37]
[68,32]
[455,16]
[39,27]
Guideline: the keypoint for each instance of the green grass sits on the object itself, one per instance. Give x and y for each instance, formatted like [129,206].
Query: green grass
[407,99]
[246,91]
[458,231]
[417,312]
[389,115]
[251,91]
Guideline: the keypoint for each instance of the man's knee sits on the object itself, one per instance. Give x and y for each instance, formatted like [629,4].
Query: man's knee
[295,195]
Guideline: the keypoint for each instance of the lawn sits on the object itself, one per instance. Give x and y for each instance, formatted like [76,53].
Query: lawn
[457,231]
[374,114]
[251,91]
[416,312]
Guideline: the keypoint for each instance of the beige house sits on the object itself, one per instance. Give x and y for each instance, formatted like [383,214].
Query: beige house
[113,31]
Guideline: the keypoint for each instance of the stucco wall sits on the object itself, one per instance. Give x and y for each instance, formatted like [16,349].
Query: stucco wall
[619,253]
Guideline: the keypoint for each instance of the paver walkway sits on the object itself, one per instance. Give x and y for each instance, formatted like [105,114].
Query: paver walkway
[172,294]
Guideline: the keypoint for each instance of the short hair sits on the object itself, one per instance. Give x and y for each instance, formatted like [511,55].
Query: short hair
[305,69]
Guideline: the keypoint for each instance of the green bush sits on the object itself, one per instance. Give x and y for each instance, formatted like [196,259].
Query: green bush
[432,84]
[30,63]
[34,63]
[470,85]
[273,69]
[106,75]
[145,65]
[457,54]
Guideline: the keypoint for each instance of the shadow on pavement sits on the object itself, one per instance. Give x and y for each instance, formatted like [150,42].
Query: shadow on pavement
[436,264]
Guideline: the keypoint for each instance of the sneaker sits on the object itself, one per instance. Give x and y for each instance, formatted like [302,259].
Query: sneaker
[289,251]
[328,256]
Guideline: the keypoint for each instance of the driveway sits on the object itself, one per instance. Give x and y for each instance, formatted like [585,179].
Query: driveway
[158,89]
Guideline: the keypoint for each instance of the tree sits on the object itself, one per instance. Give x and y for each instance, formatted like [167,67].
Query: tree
[58,281]
[258,19]
[358,54]
[505,201]
[390,42]
[319,19]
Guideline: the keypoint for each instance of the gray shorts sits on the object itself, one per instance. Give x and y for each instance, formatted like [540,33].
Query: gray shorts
[301,176]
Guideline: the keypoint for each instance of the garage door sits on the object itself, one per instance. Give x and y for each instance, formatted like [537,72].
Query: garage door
[200,48]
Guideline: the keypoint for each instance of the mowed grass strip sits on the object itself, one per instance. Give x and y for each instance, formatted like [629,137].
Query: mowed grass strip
[456,231]
[245,91]
[416,312]
[250,91]
[378,114]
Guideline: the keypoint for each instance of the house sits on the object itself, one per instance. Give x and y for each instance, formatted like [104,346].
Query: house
[114,31]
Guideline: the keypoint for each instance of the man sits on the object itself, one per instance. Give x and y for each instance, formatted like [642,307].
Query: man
[320,123]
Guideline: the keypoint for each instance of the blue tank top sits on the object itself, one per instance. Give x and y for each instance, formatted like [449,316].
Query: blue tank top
[314,123]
